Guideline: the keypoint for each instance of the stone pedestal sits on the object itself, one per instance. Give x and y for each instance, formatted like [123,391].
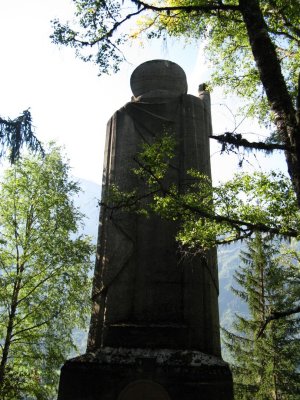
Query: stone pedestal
[145,374]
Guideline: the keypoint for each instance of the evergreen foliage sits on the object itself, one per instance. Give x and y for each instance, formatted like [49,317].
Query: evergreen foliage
[265,367]
[44,265]
[14,134]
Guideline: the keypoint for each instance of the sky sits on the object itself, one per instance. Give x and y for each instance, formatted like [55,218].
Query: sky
[71,104]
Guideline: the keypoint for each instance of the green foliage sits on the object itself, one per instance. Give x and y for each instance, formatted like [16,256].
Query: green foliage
[154,159]
[208,215]
[44,267]
[96,21]
[14,134]
[231,211]
[220,24]
[228,48]
[266,367]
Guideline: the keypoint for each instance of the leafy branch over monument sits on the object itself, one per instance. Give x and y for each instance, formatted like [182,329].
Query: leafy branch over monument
[257,42]
[209,215]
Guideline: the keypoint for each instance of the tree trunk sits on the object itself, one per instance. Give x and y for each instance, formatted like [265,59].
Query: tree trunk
[274,84]
[9,331]
[11,319]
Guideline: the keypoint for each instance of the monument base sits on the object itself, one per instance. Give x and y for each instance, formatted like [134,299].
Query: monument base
[145,374]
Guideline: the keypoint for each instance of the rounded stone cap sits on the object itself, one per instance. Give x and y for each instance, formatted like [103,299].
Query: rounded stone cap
[158,75]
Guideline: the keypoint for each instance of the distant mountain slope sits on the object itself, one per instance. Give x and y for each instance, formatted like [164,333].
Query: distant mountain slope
[229,304]
[88,202]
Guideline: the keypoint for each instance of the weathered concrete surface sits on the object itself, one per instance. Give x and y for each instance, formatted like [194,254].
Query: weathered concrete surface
[148,300]
[163,374]
[158,76]
[141,279]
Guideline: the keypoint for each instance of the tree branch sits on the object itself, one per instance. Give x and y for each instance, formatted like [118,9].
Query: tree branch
[244,229]
[238,224]
[53,273]
[47,321]
[282,33]
[277,315]
[287,23]
[109,33]
[200,8]
[237,140]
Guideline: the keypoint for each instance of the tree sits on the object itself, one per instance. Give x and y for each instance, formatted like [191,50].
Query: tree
[14,134]
[44,266]
[265,366]
[257,41]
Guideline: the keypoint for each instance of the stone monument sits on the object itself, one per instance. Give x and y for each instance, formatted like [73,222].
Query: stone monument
[154,332]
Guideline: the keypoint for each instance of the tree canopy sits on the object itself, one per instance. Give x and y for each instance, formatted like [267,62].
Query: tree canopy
[44,264]
[253,45]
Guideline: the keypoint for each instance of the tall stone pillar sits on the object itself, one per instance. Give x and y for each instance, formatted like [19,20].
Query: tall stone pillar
[154,331]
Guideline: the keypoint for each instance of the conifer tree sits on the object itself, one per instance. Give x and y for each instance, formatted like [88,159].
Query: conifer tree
[265,365]
[17,133]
